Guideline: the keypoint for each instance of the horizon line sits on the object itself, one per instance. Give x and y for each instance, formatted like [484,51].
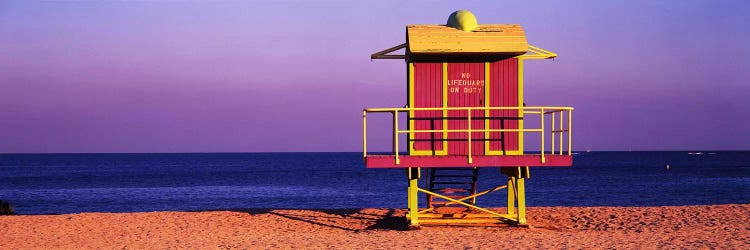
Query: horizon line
[371,153]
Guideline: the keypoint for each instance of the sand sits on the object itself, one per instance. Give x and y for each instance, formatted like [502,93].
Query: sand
[715,226]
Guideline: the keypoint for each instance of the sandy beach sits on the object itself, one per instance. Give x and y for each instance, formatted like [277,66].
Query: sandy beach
[715,226]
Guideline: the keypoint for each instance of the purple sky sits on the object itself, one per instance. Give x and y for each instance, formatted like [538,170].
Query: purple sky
[242,76]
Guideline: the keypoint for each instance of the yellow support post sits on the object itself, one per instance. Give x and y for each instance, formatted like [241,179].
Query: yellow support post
[474,187]
[413,191]
[511,195]
[521,201]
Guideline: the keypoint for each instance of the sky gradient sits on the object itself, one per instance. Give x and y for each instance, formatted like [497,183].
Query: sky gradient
[260,76]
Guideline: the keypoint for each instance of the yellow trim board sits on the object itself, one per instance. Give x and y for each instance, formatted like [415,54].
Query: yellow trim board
[445,111]
[487,85]
[520,104]
[411,105]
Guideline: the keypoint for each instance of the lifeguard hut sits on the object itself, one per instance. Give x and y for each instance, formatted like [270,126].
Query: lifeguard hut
[465,110]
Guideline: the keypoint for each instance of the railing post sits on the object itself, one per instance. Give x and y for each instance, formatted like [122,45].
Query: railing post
[395,135]
[542,121]
[570,130]
[561,133]
[469,119]
[364,133]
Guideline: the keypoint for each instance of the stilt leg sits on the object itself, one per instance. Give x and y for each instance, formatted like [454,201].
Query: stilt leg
[474,185]
[511,195]
[412,197]
[521,201]
[516,192]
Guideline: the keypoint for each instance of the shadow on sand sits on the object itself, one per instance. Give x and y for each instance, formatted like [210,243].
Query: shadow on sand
[353,220]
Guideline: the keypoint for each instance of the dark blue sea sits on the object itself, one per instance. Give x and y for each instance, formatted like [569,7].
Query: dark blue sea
[73,183]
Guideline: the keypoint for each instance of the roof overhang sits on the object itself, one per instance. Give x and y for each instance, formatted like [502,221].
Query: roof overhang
[489,42]
[532,53]
[507,39]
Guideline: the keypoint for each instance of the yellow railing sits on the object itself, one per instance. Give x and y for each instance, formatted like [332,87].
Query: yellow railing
[557,115]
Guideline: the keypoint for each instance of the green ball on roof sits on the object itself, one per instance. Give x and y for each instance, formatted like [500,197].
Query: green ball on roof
[463,20]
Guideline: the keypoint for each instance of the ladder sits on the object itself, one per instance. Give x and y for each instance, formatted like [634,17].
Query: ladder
[455,183]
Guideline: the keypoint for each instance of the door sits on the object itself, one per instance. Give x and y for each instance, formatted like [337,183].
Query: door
[466,88]
[504,91]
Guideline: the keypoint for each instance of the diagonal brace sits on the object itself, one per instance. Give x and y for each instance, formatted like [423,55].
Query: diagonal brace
[466,198]
[384,53]
[465,204]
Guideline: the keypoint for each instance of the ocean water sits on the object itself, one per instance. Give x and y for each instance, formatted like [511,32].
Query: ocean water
[73,183]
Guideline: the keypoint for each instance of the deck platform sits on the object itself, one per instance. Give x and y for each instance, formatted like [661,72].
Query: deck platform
[453,161]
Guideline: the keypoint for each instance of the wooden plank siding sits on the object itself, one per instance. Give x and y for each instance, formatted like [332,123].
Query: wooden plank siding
[428,93]
[465,91]
[504,93]
[461,84]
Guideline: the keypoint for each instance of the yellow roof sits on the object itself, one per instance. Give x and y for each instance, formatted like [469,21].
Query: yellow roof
[486,39]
